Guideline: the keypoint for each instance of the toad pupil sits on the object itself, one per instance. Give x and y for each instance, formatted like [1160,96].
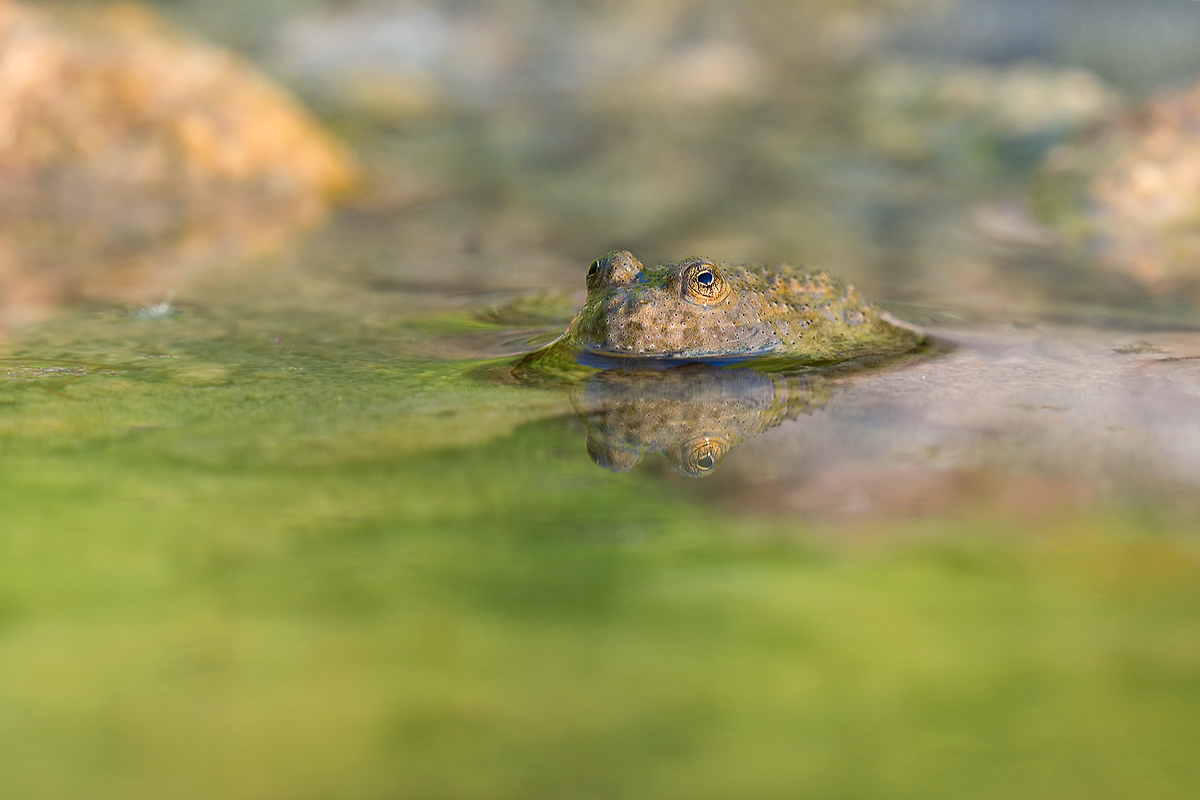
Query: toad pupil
[705,462]
[705,278]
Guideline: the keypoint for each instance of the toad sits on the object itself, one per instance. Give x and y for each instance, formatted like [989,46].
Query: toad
[699,311]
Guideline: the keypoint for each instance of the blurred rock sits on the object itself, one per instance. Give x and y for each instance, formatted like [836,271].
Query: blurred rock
[130,154]
[409,59]
[1130,192]
[919,110]
[1135,45]
[110,98]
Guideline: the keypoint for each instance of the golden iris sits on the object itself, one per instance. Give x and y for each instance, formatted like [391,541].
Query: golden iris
[704,284]
[701,455]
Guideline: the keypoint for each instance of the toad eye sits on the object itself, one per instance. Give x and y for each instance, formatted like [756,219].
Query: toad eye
[701,455]
[703,284]
[593,275]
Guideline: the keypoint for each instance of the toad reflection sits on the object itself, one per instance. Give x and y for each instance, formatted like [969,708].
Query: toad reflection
[694,414]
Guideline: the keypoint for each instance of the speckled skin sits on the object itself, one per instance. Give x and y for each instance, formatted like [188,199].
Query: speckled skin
[694,415]
[697,309]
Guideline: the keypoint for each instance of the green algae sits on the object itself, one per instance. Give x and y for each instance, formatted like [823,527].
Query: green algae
[331,568]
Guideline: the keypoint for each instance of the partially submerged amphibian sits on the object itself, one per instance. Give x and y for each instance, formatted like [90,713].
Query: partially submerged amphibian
[698,310]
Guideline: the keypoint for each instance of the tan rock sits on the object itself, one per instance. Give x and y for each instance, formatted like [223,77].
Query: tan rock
[1139,180]
[114,97]
[131,155]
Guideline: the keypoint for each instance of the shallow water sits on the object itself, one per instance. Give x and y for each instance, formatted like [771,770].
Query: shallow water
[280,522]
[272,550]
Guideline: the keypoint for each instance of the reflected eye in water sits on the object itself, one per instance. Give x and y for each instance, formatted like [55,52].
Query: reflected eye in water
[694,414]
[703,284]
[700,456]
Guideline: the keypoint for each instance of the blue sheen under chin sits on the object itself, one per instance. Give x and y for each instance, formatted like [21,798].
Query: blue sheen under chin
[603,361]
